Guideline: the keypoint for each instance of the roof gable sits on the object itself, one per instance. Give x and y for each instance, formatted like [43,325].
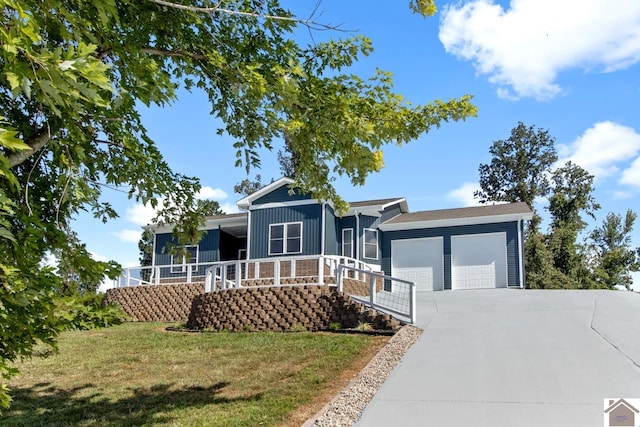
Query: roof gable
[247,201]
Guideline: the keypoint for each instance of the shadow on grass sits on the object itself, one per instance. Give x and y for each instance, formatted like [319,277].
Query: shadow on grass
[46,405]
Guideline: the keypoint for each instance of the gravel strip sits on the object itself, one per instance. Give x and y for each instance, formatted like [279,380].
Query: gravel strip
[345,408]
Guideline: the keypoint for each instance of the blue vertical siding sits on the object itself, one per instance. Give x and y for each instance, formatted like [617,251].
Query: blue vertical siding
[309,215]
[208,247]
[281,195]
[331,246]
[511,229]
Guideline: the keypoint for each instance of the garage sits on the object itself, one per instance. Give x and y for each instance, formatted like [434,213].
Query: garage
[479,261]
[419,261]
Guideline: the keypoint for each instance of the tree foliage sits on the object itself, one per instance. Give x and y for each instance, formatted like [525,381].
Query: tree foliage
[571,198]
[519,167]
[74,73]
[613,258]
[522,169]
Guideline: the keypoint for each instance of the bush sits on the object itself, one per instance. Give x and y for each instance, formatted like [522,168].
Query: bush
[87,312]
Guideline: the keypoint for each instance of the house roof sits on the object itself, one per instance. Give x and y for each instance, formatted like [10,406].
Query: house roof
[459,216]
[375,202]
[374,207]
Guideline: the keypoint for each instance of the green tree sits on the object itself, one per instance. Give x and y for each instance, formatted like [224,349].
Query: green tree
[572,189]
[613,257]
[519,167]
[74,74]
[248,186]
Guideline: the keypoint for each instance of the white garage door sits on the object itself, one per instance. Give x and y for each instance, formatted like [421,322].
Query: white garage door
[479,261]
[418,260]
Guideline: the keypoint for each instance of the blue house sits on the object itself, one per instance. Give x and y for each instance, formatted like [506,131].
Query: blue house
[284,237]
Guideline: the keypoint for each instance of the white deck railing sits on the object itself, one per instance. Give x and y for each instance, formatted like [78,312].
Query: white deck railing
[358,279]
[386,293]
[162,274]
[319,269]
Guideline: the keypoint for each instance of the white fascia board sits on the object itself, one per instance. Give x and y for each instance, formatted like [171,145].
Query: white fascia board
[454,222]
[404,207]
[247,201]
[285,204]
[364,210]
[376,210]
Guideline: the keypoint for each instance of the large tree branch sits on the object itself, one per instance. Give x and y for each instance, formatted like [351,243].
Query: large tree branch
[209,10]
[35,143]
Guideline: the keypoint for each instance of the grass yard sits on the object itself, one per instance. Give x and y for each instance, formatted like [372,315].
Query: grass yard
[139,374]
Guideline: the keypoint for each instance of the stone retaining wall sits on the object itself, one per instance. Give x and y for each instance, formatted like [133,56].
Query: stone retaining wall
[311,307]
[157,303]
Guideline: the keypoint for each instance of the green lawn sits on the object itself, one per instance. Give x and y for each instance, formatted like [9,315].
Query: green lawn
[139,374]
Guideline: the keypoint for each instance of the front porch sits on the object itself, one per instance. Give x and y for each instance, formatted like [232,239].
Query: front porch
[355,278]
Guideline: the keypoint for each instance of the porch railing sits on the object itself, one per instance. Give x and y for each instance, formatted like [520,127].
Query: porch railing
[379,291]
[319,269]
[162,274]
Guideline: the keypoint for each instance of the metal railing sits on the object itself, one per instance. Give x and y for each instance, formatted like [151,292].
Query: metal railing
[379,291]
[318,269]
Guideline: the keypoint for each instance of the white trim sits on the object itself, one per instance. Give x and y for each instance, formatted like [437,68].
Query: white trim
[350,243]
[323,230]
[240,254]
[284,204]
[376,210]
[249,235]
[153,254]
[358,236]
[520,253]
[182,266]
[245,202]
[398,201]
[284,238]
[364,243]
[454,222]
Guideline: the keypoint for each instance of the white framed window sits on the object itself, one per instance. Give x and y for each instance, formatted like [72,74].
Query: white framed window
[285,238]
[370,243]
[188,255]
[347,242]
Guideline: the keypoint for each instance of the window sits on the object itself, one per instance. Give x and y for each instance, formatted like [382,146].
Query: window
[285,238]
[186,255]
[370,243]
[347,242]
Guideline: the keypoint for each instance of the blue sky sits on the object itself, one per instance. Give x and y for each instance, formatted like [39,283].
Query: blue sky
[569,66]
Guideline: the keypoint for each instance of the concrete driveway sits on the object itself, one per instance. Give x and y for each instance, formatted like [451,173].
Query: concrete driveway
[506,357]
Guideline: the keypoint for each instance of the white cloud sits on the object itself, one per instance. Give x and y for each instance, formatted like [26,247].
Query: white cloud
[141,214]
[526,46]
[99,257]
[464,194]
[210,193]
[229,208]
[602,149]
[631,175]
[129,235]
